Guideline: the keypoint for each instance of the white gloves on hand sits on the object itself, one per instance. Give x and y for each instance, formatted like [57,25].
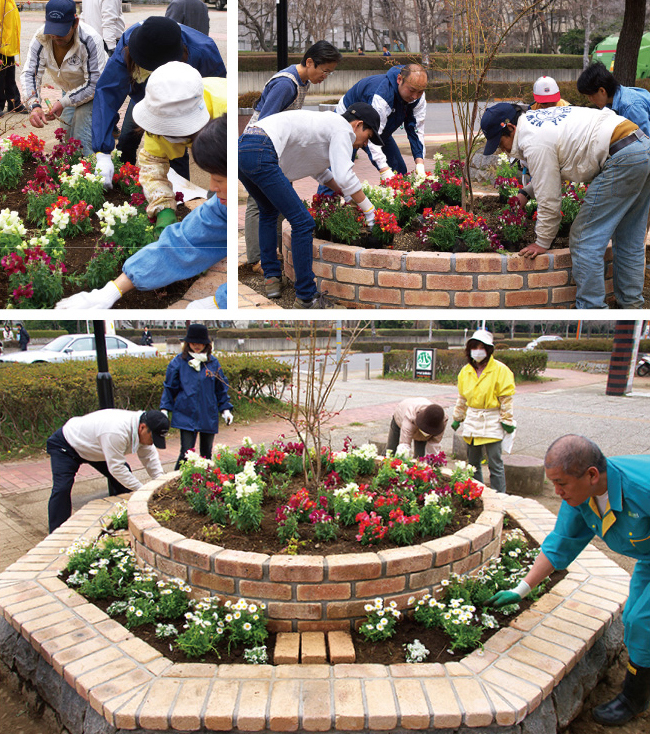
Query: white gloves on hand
[103,298]
[419,169]
[368,210]
[388,173]
[227,416]
[370,217]
[403,450]
[106,169]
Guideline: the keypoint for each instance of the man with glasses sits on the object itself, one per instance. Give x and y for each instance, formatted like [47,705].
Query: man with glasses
[286,90]
[608,498]
[103,439]
[398,96]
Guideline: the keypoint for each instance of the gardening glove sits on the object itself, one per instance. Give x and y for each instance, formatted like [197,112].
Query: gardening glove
[106,169]
[385,175]
[454,425]
[403,450]
[419,170]
[227,416]
[513,596]
[164,218]
[507,428]
[99,298]
[368,210]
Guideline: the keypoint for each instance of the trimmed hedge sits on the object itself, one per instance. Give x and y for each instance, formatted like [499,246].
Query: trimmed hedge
[37,399]
[596,344]
[379,63]
[450,362]
[378,346]
[36,334]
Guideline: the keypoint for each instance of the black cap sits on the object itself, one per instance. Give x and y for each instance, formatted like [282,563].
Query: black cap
[368,114]
[158,423]
[197,334]
[155,42]
[493,124]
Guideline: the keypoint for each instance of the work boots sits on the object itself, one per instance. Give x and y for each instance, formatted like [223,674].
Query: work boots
[632,700]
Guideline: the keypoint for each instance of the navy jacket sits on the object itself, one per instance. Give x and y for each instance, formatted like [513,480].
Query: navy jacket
[115,84]
[195,399]
[380,91]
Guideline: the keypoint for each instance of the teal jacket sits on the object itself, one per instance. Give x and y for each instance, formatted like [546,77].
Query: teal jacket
[625,526]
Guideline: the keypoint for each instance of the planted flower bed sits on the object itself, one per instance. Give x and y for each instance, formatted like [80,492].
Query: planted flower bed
[60,232]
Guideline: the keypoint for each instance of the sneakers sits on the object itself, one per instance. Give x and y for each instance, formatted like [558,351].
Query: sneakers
[273,286]
[320,300]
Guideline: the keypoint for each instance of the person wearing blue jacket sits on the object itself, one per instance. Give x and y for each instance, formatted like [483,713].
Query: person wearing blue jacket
[184,249]
[603,90]
[142,49]
[398,96]
[608,498]
[196,391]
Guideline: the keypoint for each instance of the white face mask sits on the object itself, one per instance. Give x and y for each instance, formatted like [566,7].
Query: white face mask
[478,355]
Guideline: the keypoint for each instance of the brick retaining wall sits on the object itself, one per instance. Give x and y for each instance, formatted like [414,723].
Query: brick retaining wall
[310,592]
[392,278]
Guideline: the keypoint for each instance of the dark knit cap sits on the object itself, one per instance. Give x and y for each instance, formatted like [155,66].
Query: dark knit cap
[155,42]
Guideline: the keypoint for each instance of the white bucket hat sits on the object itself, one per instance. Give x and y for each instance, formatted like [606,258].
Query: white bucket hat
[545,89]
[483,336]
[173,103]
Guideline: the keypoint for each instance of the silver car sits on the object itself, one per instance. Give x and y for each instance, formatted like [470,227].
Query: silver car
[79,346]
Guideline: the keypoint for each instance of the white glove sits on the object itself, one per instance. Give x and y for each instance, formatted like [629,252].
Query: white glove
[368,210]
[227,416]
[419,170]
[99,298]
[388,173]
[106,169]
[403,450]
[164,412]
[347,199]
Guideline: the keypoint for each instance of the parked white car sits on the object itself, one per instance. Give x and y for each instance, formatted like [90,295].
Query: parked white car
[79,346]
[542,339]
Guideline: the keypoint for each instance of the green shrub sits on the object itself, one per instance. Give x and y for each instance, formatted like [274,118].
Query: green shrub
[378,346]
[525,364]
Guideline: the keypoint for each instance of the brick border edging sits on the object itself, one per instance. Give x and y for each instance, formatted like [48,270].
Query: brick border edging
[361,278]
[101,678]
[312,592]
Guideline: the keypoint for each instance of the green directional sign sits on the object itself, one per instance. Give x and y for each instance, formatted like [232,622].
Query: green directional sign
[423,363]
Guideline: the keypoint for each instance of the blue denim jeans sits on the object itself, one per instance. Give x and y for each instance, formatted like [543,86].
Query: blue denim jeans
[260,172]
[616,208]
[78,121]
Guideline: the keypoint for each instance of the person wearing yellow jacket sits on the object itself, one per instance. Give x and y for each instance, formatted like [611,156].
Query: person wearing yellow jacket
[9,49]
[178,103]
[485,406]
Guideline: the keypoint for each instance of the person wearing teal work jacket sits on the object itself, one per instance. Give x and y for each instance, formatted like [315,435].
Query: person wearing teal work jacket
[486,389]
[608,498]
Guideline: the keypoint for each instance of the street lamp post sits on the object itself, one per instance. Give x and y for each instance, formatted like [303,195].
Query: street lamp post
[104,379]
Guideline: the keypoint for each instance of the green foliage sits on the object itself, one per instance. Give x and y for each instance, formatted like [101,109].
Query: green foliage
[573,41]
[105,264]
[343,225]
[525,364]
[11,168]
[381,622]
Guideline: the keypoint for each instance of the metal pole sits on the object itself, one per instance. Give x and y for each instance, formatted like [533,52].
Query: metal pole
[345,371]
[283,34]
[338,341]
[104,379]
[367,368]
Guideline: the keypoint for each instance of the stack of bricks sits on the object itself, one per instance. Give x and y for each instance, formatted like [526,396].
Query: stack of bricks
[360,278]
[309,592]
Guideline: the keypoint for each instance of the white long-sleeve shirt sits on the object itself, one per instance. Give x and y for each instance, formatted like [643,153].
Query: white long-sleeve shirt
[316,144]
[109,435]
[557,144]
[106,17]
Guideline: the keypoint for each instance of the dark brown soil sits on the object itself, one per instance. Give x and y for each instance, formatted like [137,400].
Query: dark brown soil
[189,523]
[79,250]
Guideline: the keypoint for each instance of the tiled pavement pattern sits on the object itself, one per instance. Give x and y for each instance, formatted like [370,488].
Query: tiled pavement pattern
[134,687]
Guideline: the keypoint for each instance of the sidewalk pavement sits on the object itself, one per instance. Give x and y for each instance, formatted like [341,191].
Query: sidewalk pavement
[572,402]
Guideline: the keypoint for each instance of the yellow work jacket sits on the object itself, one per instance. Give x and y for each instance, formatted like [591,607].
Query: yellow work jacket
[484,402]
[10,35]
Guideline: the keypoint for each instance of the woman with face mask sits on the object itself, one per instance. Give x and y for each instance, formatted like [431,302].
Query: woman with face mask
[484,406]
[196,391]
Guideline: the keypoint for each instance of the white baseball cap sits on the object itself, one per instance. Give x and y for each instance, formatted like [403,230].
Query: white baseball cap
[483,336]
[173,103]
[545,89]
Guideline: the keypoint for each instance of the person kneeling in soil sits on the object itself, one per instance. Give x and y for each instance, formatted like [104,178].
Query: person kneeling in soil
[417,421]
[608,498]
[287,147]
[184,249]
[584,145]
[196,391]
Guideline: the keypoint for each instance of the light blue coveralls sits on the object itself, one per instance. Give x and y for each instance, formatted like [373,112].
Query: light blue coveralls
[625,528]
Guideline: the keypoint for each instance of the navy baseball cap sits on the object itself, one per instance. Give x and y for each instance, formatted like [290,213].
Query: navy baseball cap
[369,115]
[59,17]
[493,124]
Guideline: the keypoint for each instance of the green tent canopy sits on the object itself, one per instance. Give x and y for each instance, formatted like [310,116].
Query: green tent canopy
[606,50]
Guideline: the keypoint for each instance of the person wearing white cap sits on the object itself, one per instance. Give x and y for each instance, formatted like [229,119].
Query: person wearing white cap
[178,102]
[485,406]
[547,94]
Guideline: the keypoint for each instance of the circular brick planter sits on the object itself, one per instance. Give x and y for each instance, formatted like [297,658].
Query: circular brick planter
[361,278]
[311,592]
